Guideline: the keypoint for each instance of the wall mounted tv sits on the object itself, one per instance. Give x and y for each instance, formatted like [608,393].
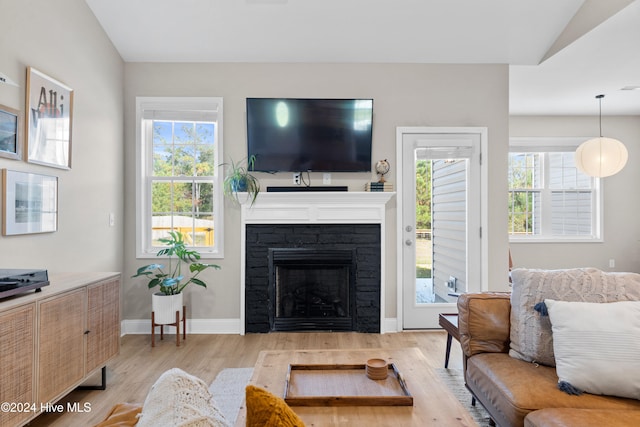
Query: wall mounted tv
[321,135]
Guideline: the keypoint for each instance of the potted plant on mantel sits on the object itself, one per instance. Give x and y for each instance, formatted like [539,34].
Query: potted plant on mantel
[172,282]
[238,179]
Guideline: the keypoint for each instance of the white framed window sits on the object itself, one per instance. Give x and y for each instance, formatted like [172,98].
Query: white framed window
[179,147]
[550,199]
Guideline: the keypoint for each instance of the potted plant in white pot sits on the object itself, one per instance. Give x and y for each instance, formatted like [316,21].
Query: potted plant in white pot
[171,281]
[238,179]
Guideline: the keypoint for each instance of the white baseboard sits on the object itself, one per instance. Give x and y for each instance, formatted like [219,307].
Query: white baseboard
[389,325]
[213,326]
[194,326]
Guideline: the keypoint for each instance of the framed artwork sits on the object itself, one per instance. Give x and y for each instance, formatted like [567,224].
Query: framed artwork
[30,203]
[49,111]
[10,141]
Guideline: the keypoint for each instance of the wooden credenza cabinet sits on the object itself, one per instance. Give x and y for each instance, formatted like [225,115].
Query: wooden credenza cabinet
[103,323]
[17,369]
[52,341]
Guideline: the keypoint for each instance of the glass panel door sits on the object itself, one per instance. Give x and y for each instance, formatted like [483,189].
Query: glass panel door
[441,242]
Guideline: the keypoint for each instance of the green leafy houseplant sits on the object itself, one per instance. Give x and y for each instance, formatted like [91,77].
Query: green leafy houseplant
[172,281]
[238,179]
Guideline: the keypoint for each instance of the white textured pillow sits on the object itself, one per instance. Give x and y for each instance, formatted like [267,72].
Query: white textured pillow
[180,399]
[531,338]
[597,346]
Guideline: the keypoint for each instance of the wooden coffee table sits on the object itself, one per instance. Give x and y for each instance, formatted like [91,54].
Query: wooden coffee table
[433,403]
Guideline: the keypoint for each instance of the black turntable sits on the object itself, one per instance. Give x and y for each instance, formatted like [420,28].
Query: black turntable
[15,281]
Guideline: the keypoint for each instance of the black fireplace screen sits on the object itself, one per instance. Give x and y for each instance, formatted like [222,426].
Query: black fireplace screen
[312,292]
[312,289]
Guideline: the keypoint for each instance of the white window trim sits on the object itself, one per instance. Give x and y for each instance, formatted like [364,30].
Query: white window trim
[143,164]
[546,144]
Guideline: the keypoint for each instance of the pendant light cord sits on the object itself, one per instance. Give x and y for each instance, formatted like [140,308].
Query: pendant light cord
[600,100]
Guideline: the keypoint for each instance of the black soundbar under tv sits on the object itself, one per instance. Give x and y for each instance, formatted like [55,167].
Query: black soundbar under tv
[305,188]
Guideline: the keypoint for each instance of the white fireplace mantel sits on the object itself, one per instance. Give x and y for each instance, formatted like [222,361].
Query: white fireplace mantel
[349,207]
[310,207]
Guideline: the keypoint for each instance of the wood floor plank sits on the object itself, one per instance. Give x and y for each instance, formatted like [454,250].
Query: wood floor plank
[132,373]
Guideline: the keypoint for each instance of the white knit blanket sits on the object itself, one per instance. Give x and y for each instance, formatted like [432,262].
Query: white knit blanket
[228,390]
[182,400]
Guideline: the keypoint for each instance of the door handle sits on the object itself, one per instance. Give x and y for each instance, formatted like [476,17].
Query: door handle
[408,242]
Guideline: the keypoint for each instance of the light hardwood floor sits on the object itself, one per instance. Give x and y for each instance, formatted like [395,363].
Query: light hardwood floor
[132,373]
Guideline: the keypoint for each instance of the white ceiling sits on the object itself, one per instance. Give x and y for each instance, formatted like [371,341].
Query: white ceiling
[591,47]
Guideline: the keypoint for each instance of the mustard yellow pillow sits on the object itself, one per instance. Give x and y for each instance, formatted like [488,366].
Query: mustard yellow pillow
[267,410]
[122,415]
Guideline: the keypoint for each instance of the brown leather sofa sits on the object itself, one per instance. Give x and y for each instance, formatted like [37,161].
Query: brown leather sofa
[518,393]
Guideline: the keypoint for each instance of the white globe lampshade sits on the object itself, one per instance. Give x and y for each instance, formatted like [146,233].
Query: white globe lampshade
[601,157]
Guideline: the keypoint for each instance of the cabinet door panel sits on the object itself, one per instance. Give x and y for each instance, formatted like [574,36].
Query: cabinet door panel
[17,345]
[61,352]
[103,323]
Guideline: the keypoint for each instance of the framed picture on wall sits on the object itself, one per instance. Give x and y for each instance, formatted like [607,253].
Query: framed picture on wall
[30,203]
[10,141]
[49,111]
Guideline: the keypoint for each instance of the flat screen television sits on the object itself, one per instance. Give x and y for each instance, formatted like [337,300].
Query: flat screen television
[321,135]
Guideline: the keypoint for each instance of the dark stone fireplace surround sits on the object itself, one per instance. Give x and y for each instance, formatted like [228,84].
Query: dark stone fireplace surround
[364,240]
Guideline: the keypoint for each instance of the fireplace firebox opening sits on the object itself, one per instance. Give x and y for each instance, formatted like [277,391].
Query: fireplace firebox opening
[311,289]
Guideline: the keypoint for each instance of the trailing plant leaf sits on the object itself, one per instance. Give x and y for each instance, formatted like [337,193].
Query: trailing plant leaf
[148,269]
[197,266]
[199,282]
[155,282]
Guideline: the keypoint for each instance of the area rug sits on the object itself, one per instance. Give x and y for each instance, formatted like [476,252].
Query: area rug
[454,380]
[228,390]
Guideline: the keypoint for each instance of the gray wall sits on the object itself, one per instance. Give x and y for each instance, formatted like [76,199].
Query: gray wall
[621,229]
[404,95]
[62,39]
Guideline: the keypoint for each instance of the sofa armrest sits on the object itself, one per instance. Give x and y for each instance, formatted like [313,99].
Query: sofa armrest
[483,322]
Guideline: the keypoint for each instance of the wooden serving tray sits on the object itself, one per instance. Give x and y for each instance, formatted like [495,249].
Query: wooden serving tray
[344,385]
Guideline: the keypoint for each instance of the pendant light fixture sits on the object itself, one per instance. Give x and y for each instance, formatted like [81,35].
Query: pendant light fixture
[600,157]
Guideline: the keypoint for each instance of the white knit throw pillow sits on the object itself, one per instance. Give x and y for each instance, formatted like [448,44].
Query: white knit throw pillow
[180,399]
[531,338]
